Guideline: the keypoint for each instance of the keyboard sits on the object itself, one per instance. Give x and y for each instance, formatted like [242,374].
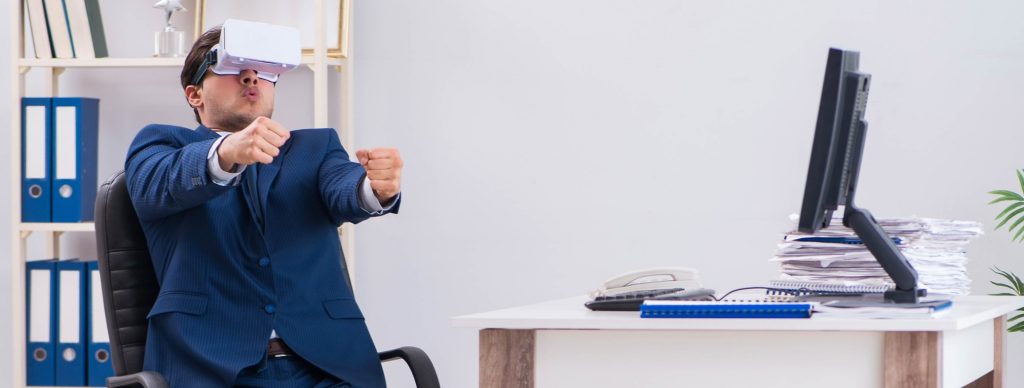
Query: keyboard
[631,301]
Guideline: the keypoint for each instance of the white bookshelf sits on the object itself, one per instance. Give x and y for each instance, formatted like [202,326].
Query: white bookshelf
[320,63]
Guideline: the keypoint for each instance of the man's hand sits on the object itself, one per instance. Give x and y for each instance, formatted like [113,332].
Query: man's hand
[384,170]
[260,142]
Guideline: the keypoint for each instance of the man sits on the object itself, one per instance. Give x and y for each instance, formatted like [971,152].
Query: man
[241,219]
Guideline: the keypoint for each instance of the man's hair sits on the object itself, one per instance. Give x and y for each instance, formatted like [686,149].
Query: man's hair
[195,58]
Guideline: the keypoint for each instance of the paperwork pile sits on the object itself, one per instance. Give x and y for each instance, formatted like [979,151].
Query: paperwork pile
[935,247]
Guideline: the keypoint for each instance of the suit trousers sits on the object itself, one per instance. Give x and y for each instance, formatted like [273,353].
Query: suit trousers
[286,372]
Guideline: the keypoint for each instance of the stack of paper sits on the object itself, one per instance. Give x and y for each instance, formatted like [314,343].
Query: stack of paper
[936,248]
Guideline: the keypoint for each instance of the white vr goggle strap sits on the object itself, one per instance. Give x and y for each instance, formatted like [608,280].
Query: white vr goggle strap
[213,58]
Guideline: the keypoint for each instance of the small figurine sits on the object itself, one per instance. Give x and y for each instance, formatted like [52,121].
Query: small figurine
[170,6]
[170,42]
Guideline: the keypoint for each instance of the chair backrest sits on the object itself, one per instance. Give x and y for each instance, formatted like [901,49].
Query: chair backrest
[126,274]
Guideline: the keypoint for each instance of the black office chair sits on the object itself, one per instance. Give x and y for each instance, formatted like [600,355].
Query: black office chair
[130,289]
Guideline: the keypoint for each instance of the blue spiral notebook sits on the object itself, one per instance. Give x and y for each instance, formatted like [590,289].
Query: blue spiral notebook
[724,309]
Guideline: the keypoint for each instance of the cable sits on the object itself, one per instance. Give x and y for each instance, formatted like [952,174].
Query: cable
[777,290]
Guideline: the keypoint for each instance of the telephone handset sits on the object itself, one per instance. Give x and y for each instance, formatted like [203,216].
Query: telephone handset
[651,279]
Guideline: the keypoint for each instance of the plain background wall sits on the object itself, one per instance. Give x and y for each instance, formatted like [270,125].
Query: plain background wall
[550,145]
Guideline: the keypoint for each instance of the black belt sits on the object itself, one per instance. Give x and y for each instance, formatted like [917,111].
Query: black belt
[277,348]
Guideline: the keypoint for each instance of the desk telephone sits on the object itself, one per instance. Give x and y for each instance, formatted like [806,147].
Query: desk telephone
[628,291]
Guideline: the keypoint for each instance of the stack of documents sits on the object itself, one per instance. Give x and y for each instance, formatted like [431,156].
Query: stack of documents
[935,247]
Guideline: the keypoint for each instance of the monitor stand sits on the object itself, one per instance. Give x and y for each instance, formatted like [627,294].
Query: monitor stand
[888,255]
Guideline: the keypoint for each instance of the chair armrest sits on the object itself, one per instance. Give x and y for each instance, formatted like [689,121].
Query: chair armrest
[144,379]
[419,364]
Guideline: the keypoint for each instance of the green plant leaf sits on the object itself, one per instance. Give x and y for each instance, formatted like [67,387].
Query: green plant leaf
[1015,281]
[1010,216]
[1020,178]
[1009,208]
[1004,294]
[1001,272]
[1018,316]
[1018,285]
[1012,206]
[1001,199]
[1007,194]
[1019,234]
[1019,326]
[1015,224]
[1004,286]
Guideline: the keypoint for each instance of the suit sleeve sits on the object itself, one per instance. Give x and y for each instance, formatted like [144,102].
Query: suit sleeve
[166,174]
[338,180]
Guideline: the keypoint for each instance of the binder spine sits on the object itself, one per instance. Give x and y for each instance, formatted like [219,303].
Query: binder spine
[98,351]
[70,356]
[40,322]
[727,310]
[89,132]
[75,125]
[36,161]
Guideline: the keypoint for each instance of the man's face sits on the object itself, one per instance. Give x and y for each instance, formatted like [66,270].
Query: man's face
[232,102]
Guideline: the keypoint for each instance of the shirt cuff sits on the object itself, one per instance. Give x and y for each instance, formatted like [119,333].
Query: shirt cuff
[369,202]
[217,174]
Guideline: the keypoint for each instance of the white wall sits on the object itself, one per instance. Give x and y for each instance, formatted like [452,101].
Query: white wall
[552,144]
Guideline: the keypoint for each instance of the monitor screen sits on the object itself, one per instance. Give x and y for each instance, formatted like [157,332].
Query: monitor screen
[835,152]
[835,165]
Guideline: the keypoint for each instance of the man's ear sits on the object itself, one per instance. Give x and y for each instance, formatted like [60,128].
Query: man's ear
[194,95]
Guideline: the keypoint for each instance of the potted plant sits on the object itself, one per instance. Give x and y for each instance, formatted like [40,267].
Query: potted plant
[1013,215]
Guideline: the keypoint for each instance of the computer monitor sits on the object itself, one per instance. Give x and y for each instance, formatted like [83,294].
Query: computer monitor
[835,163]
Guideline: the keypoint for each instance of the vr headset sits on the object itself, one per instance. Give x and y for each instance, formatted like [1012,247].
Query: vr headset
[266,48]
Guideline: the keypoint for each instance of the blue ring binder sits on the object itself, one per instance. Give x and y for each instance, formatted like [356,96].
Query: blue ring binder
[725,310]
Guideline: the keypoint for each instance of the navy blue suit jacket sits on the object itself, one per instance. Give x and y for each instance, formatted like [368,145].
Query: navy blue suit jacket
[235,262]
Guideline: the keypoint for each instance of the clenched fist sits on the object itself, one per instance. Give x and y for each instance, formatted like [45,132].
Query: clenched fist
[260,142]
[384,170]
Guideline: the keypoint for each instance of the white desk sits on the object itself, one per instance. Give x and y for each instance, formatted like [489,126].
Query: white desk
[562,344]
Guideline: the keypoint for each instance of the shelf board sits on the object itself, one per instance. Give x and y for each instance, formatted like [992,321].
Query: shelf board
[57,227]
[103,62]
[130,62]
[308,60]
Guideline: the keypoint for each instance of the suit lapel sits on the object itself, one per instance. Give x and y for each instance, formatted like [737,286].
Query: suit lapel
[257,181]
[249,178]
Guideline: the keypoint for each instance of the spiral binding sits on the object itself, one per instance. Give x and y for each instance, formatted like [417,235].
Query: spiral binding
[794,287]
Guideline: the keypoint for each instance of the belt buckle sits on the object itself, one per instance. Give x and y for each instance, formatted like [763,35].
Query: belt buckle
[280,348]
